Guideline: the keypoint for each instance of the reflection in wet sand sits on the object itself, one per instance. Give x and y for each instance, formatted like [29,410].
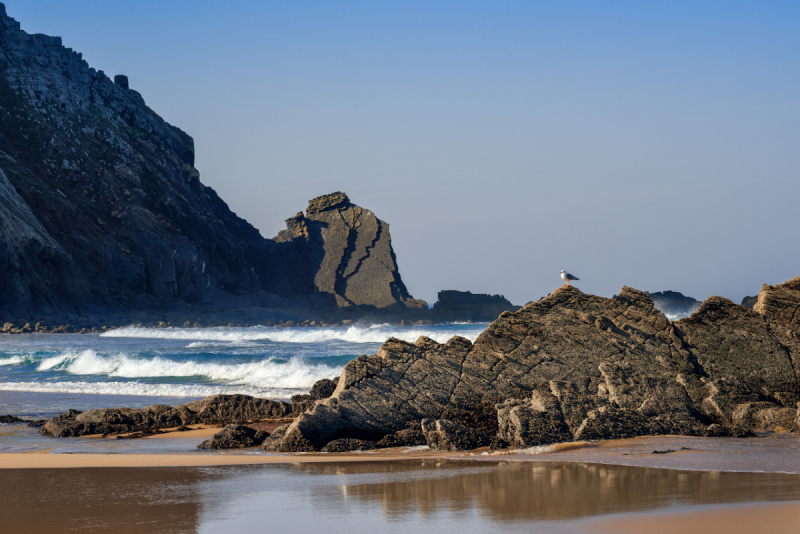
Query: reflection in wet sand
[553,491]
[423,495]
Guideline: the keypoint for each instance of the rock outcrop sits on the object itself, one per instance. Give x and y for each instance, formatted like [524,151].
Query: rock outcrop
[104,213]
[466,306]
[218,409]
[235,437]
[343,253]
[577,366]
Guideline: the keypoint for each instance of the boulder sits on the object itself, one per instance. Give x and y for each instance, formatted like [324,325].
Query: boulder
[577,366]
[235,437]
[218,409]
[348,445]
[274,441]
[444,435]
[322,389]
[408,437]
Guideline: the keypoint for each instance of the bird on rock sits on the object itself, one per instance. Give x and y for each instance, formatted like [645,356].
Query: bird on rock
[567,277]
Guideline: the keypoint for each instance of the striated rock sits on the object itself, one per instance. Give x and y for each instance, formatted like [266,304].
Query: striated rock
[577,366]
[216,409]
[235,437]
[445,435]
[348,445]
[465,306]
[343,254]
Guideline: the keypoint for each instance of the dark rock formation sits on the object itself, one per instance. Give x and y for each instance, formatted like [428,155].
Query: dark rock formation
[341,252]
[235,437]
[218,409]
[8,419]
[749,302]
[103,211]
[275,440]
[408,437]
[444,435]
[348,445]
[577,366]
[465,306]
[673,304]
[322,389]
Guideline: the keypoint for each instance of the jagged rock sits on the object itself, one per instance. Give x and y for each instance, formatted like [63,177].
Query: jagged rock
[216,409]
[348,445]
[674,304]
[465,306]
[344,253]
[235,437]
[408,437]
[274,441]
[236,408]
[613,367]
[749,302]
[322,389]
[537,421]
[8,419]
[445,435]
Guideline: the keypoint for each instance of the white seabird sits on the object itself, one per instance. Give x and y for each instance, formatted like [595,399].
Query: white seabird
[567,277]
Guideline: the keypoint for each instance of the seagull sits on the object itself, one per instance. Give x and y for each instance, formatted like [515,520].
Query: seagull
[567,277]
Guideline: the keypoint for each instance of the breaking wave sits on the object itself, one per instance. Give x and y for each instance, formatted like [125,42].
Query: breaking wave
[144,389]
[352,334]
[14,360]
[269,373]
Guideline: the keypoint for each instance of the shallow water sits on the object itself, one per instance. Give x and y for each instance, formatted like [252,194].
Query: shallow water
[195,362]
[420,496]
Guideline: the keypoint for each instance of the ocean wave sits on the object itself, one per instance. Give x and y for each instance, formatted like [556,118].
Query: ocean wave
[352,334]
[145,389]
[268,373]
[14,360]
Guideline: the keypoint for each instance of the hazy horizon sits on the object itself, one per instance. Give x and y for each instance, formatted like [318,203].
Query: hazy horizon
[654,145]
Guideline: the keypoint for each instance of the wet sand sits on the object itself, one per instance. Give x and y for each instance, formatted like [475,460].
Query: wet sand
[423,495]
[783,518]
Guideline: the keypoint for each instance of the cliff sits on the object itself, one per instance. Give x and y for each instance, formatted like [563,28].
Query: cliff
[103,212]
[574,366]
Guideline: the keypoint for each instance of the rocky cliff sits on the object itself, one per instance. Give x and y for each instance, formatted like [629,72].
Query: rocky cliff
[574,366]
[344,253]
[466,306]
[102,210]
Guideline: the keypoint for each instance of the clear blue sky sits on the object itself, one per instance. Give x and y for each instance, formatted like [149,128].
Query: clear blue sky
[650,144]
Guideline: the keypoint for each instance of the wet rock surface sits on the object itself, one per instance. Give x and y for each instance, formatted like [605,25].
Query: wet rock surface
[8,419]
[576,366]
[218,409]
[235,437]
[348,445]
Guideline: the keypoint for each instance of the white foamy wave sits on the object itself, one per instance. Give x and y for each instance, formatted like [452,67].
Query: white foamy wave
[144,389]
[352,334]
[294,374]
[14,360]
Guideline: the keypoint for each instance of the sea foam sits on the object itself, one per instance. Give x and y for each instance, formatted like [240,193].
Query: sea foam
[352,334]
[144,389]
[269,373]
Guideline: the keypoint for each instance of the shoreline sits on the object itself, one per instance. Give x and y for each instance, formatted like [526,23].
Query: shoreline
[775,453]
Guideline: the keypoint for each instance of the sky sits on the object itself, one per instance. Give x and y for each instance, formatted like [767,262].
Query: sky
[650,144]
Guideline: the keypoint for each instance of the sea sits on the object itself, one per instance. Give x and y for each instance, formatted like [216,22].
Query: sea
[44,374]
